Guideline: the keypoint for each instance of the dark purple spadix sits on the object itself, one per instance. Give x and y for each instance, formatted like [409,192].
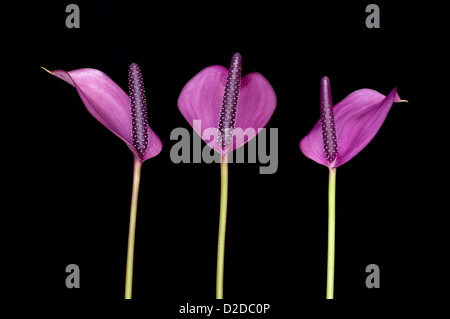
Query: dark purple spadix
[139,122]
[227,119]
[330,143]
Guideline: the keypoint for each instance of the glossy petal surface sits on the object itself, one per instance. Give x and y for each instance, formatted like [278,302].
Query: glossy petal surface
[201,99]
[358,118]
[110,105]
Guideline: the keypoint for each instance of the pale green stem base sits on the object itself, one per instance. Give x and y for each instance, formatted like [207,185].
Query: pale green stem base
[132,230]
[331,232]
[222,227]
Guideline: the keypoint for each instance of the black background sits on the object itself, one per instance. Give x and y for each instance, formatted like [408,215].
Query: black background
[66,180]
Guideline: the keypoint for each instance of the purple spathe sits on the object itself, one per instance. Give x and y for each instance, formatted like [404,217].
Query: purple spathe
[235,108]
[111,106]
[357,119]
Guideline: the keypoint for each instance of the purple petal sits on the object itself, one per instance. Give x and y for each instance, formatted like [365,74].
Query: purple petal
[110,105]
[201,99]
[257,102]
[358,118]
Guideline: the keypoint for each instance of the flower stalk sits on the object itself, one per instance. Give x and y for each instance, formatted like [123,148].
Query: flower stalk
[132,228]
[331,232]
[222,226]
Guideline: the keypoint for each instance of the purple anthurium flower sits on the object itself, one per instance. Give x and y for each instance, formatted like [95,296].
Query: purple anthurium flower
[110,105]
[341,133]
[126,117]
[228,109]
[227,104]
[345,129]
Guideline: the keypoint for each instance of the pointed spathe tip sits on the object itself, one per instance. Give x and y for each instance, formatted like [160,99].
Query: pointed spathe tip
[46,70]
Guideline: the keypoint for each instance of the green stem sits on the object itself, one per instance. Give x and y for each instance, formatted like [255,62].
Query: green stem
[132,230]
[222,226]
[331,232]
